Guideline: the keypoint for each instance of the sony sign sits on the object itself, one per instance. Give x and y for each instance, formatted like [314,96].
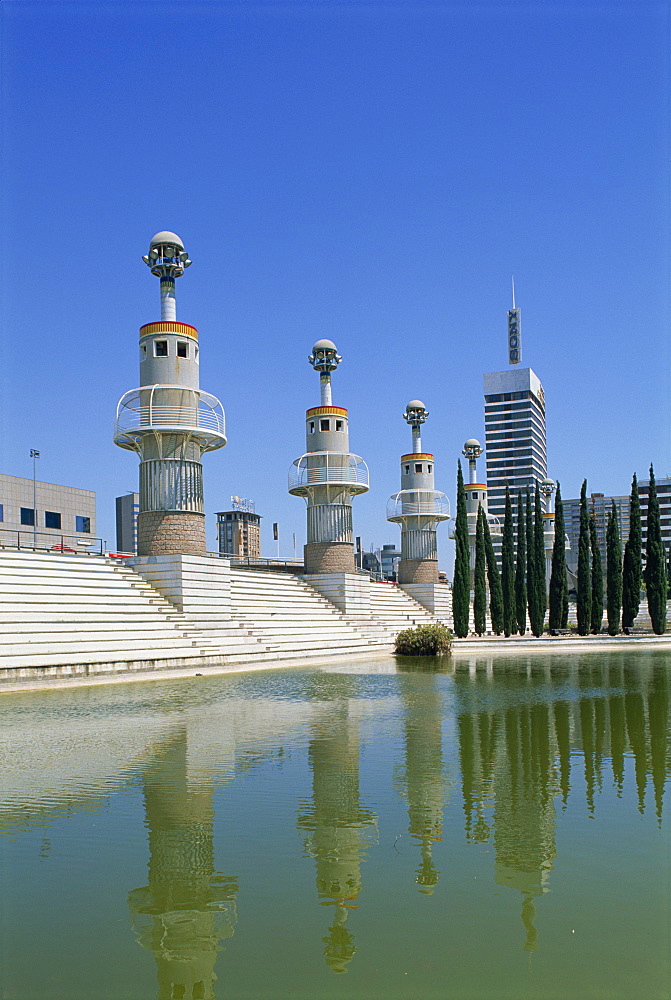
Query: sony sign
[514,337]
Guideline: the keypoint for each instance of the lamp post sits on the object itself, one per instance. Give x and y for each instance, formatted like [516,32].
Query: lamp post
[34,454]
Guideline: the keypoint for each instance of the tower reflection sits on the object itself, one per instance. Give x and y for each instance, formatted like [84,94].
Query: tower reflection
[187,908]
[424,777]
[338,827]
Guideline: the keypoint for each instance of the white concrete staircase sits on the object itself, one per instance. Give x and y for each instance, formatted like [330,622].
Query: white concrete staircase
[394,610]
[66,611]
[291,619]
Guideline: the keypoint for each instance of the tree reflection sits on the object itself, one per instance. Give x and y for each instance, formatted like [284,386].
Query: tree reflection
[516,753]
[187,908]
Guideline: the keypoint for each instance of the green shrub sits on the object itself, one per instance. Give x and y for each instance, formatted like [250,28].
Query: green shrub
[424,640]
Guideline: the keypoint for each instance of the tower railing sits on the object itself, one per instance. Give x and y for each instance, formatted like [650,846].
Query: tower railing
[328,468]
[168,408]
[413,502]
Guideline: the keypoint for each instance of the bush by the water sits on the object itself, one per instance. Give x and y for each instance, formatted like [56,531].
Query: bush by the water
[424,640]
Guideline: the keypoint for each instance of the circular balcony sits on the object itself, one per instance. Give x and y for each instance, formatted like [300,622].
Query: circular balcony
[169,409]
[429,504]
[328,468]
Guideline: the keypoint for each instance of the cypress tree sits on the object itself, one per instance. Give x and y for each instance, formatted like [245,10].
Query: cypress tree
[531,539]
[613,572]
[541,600]
[558,586]
[508,569]
[596,612]
[655,562]
[631,570]
[521,569]
[461,585]
[494,580]
[479,584]
[584,602]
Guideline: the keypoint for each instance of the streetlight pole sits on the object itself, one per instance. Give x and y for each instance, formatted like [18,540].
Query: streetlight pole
[34,454]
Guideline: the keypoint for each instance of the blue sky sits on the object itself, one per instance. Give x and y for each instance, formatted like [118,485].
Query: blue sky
[369,172]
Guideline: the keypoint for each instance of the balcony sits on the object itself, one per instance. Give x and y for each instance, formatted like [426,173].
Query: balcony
[169,409]
[427,504]
[328,468]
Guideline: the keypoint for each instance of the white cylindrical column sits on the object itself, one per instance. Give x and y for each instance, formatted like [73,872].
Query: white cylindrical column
[169,421]
[327,475]
[418,508]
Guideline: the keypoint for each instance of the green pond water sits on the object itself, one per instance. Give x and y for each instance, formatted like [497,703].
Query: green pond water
[474,828]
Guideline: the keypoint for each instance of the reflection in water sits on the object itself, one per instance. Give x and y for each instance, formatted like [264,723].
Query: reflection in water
[339,828]
[424,777]
[187,908]
[516,755]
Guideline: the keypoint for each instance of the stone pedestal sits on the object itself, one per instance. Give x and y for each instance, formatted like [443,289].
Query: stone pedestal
[350,592]
[170,532]
[328,557]
[418,571]
[435,597]
[197,585]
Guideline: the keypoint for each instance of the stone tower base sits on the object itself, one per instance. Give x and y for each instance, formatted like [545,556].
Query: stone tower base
[170,532]
[418,571]
[328,557]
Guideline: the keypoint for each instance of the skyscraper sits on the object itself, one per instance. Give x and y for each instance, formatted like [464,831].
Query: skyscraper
[514,425]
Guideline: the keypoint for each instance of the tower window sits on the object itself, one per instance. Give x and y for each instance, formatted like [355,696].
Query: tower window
[430,468]
[418,466]
[338,425]
[407,469]
[144,349]
[325,425]
[312,427]
[474,496]
[182,349]
[52,519]
[161,348]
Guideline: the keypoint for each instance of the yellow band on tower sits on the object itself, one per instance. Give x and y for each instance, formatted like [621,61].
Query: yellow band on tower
[169,326]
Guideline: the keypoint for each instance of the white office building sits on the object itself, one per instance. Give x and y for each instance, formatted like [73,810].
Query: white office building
[515,441]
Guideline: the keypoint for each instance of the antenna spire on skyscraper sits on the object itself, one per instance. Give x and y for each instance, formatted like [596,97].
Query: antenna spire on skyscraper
[514,332]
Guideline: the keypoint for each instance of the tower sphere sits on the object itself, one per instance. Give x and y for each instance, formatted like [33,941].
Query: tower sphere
[548,484]
[415,404]
[324,345]
[471,443]
[166,237]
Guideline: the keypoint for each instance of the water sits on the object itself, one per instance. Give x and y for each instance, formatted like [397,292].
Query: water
[493,828]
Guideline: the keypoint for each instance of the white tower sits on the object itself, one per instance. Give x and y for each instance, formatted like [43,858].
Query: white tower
[169,421]
[547,488]
[419,507]
[476,496]
[328,476]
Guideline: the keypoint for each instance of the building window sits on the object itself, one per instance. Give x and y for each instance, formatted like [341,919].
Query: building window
[325,425]
[83,524]
[2,512]
[182,349]
[28,516]
[161,348]
[52,519]
[418,466]
[338,425]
